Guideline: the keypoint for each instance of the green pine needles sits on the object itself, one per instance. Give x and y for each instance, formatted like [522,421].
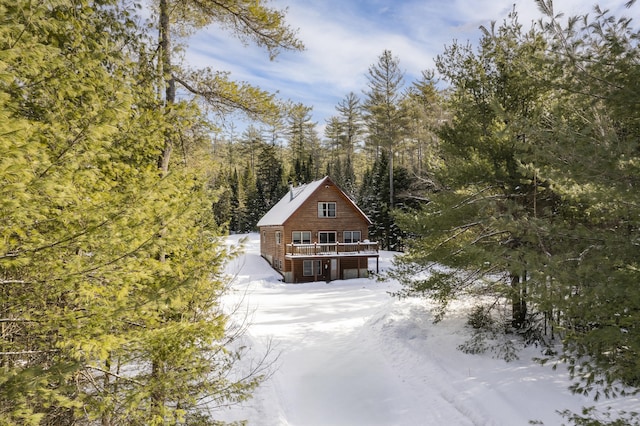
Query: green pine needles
[540,206]
[110,271]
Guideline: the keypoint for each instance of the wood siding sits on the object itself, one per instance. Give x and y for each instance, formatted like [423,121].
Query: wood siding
[347,217]
[306,218]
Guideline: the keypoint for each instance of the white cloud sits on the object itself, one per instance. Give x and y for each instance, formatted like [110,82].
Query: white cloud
[344,38]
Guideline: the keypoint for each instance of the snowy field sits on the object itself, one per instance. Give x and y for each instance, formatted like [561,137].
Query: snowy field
[347,353]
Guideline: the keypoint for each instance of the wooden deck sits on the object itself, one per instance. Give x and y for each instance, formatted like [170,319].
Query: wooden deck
[332,249]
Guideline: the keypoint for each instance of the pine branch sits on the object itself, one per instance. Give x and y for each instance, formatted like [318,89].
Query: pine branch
[117,376]
[13,353]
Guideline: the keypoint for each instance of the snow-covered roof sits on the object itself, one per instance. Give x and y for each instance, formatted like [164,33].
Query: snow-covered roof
[292,201]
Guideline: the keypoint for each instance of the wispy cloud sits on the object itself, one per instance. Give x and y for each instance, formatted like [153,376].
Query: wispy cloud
[344,38]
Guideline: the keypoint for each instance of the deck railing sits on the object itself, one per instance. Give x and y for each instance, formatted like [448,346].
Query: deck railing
[321,249]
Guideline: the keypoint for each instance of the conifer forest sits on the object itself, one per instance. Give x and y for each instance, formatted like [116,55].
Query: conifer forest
[510,173]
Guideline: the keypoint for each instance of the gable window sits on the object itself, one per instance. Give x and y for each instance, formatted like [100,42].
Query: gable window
[301,237]
[326,209]
[327,237]
[278,238]
[308,267]
[351,236]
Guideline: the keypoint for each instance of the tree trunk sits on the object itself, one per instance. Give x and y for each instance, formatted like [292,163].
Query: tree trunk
[106,417]
[169,81]
[157,393]
[390,179]
[518,301]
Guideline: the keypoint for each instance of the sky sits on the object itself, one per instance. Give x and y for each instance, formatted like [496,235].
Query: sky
[344,38]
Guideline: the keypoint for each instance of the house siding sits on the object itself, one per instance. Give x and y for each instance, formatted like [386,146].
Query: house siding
[347,219]
[306,218]
[270,249]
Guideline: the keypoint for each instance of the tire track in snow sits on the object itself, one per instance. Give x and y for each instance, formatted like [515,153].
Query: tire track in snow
[406,337]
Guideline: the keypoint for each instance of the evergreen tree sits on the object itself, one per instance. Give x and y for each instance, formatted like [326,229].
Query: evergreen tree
[424,107]
[333,134]
[351,126]
[238,203]
[256,206]
[348,183]
[223,204]
[538,205]
[303,142]
[268,187]
[588,150]
[343,133]
[475,225]
[250,143]
[373,199]
[102,319]
[385,119]
[248,20]
[336,172]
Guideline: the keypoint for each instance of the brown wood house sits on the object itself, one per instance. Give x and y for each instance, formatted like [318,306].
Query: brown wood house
[317,233]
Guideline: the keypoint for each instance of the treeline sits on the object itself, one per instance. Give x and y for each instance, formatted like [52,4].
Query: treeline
[391,127]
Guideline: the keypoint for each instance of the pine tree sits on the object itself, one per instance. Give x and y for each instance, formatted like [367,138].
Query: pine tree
[589,153]
[373,199]
[349,179]
[247,20]
[268,186]
[351,126]
[303,142]
[425,110]
[538,206]
[249,145]
[97,325]
[386,122]
[343,133]
[475,225]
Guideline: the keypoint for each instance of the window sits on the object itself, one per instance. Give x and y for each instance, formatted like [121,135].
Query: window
[308,267]
[327,237]
[301,237]
[351,236]
[278,238]
[326,209]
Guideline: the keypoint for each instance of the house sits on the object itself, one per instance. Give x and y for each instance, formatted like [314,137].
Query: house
[317,233]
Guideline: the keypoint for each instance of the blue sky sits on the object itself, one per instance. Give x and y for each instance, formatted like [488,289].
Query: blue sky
[344,38]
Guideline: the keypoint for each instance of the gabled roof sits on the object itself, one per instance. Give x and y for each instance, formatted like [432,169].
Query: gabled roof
[295,198]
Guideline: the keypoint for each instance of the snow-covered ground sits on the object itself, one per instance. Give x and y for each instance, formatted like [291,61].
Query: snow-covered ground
[347,353]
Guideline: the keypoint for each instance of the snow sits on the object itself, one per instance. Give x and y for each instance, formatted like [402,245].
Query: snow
[347,353]
[294,199]
[289,203]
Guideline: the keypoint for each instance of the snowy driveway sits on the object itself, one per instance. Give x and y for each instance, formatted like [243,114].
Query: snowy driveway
[349,354]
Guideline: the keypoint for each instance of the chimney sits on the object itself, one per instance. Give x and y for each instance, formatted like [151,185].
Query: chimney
[290,192]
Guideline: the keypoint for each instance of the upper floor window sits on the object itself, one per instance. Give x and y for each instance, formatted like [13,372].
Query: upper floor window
[326,209]
[301,237]
[278,237]
[325,237]
[351,236]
